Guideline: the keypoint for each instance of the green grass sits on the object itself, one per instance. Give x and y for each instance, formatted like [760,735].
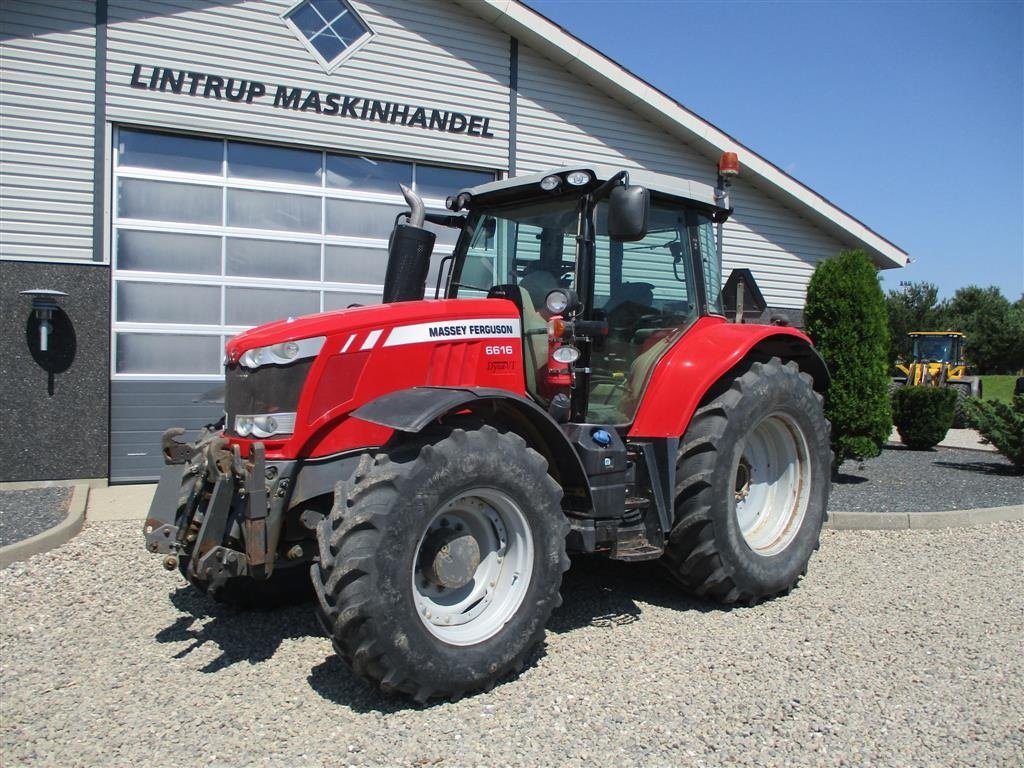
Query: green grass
[998,388]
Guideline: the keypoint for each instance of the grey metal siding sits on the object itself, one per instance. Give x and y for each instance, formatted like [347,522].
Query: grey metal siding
[140,412]
[47,66]
[561,120]
[422,53]
[779,247]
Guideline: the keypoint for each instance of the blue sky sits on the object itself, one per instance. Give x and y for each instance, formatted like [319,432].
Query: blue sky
[907,115]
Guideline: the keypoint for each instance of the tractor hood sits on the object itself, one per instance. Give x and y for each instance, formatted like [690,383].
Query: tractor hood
[380,316]
[379,321]
[294,383]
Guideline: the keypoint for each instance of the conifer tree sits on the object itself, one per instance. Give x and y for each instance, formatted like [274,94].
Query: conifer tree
[846,317]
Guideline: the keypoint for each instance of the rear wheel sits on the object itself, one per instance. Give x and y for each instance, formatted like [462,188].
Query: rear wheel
[753,486]
[440,564]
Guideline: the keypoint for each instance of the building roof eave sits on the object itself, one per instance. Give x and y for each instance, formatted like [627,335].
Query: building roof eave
[540,33]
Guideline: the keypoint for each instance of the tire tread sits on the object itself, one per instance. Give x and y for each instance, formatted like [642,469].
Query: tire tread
[344,576]
[692,557]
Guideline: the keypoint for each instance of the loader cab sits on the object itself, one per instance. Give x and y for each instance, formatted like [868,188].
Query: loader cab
[937,347]
[633,256]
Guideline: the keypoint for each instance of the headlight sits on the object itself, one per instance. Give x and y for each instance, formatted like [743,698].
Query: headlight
[550,183]
[265,424]
[578,178]
[283,353]
[561,301]
[566,354]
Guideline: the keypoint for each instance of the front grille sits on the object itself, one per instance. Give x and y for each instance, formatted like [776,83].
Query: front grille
[270,389]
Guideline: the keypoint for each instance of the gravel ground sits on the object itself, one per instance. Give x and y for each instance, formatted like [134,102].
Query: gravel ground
[902,480]
[898,649]
[25,513]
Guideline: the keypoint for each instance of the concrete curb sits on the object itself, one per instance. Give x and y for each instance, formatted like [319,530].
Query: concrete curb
[902,521]
[52,537]
[25,485]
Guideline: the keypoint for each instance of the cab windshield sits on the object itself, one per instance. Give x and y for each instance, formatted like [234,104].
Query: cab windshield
[645,291]
[933,349]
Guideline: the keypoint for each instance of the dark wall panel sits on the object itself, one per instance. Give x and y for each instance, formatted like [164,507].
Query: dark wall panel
[55,430]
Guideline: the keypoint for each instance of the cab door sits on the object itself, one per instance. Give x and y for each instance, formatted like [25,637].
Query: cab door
[648,292]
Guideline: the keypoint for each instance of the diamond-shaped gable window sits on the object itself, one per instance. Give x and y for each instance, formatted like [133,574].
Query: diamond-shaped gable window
[329,27]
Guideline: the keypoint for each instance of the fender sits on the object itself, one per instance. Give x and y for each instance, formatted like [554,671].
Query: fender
[704,355]
[412,410]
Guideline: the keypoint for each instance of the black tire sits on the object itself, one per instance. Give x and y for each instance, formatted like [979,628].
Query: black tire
[287,585]
[714,553]
[369,581]
[961,419]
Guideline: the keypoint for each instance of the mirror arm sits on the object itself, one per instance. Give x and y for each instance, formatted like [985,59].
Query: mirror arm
[455,221]
[622,177]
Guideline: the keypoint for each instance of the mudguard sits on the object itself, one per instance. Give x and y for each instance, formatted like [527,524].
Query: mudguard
[706,353]
[412,410]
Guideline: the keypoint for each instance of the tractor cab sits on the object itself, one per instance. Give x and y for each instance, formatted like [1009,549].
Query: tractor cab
[608,268]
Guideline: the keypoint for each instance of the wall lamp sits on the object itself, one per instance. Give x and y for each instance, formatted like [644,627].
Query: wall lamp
[44,302]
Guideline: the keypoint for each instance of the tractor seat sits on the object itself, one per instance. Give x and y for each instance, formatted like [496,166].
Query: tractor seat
[634,293]
[627,305]
[533,288]
[538,284]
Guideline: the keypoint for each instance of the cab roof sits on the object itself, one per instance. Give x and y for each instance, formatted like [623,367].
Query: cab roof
[657,183]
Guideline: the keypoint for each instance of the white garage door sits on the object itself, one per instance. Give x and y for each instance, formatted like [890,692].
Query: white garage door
[213,236]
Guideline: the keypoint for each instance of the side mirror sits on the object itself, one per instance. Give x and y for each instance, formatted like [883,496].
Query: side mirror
[628,209]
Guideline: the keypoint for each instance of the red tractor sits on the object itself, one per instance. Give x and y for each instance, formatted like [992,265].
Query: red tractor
[578,389]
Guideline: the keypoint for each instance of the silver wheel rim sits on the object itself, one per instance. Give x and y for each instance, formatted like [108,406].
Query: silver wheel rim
[772,485]
[477,610]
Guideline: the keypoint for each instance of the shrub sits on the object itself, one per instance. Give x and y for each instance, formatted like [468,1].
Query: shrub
[923,415]
[846,317]
[1001,425]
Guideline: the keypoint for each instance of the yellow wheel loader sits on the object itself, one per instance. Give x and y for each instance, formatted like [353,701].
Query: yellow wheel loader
[937,360]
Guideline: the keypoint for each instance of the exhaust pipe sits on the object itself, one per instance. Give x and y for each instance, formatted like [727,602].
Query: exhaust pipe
[416,210]
[409,251]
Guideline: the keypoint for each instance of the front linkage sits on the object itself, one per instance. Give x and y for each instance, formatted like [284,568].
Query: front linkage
[216,515]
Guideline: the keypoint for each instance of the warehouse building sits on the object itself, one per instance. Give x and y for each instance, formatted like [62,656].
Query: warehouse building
[183,170]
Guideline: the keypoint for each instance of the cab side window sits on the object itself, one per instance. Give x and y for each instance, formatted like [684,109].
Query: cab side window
[645,291]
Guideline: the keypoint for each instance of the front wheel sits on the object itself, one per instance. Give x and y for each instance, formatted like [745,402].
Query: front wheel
[440,564]
[753,487]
